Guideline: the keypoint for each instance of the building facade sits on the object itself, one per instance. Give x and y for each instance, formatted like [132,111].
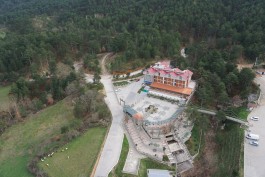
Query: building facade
[162,76]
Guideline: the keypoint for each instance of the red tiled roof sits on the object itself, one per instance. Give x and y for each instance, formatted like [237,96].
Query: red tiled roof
[184,91]
[166,69]
[173,74]
[177,70]
[162,72]
[151,70]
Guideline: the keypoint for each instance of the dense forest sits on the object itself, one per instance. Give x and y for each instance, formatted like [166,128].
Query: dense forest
[216,33]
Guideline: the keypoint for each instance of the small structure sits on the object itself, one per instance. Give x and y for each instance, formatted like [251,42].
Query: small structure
[177,153]
[159,173]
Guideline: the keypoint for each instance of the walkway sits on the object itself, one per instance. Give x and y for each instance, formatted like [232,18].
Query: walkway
[254,157]
[210,112]
[110,154]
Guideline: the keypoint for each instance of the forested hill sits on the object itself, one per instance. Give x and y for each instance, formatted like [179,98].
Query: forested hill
[215,32]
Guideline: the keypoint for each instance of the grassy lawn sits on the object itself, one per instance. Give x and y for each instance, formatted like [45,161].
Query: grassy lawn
[242,113]
[4,99]
[82,153]
[230,142]
[18,143]
[144,164]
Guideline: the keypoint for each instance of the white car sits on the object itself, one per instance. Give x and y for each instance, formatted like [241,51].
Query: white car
[117,90]
[254,118]
[254,143]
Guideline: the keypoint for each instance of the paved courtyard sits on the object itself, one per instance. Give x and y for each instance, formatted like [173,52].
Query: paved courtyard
[254,157]
[163,109]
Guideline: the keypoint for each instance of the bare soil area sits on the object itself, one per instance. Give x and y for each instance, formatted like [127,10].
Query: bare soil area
[205,164]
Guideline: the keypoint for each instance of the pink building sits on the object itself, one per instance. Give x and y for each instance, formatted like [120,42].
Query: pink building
[162,76]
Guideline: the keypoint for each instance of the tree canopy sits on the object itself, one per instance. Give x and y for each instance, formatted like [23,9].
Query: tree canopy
[215,33]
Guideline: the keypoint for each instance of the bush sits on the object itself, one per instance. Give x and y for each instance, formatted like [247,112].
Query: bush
[78,110]
[72,134]
[64,129]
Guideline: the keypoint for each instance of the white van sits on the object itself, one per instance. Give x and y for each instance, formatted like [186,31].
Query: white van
[252,136]
[254,118]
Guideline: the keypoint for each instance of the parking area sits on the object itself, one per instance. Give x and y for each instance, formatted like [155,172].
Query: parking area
[254,156]
[122,92]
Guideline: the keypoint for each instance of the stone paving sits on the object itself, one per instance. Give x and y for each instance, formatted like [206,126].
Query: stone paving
[164,109]
[132,162]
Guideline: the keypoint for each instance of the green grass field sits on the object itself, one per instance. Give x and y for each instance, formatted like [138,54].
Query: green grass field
[144,164]
[82,153]
[230,142]
[4,99]
[18,143]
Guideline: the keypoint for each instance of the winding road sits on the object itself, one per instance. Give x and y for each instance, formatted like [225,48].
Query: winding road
[110,153]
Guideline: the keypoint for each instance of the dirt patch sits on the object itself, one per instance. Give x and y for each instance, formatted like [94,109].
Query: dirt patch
[241,66]
[63,70]
[205,164]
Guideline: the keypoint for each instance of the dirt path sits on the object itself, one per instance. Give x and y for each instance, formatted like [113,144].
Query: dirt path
[104,70]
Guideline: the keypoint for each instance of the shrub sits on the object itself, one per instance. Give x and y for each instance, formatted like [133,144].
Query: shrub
[64,129]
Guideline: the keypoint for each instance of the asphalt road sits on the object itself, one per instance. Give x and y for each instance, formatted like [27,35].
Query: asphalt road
[110,154]
[254,157]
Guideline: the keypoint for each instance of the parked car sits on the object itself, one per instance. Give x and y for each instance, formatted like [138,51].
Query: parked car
[254,143]
[254,118]
[117,90]
[252,136]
